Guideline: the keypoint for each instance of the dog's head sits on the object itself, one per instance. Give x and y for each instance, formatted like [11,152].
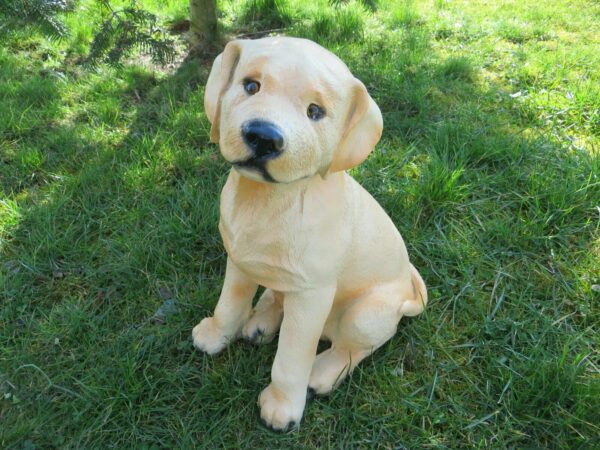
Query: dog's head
[283,109]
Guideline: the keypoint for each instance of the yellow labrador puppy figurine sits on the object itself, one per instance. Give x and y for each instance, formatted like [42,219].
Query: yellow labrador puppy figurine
[290,118]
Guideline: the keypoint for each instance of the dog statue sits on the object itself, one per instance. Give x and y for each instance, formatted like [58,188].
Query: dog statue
[291,119]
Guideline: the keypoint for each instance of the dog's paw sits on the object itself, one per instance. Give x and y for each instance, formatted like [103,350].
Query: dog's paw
[278,412]
[261,328]
[208,337]
[263,325]
[329,369]
[256,335]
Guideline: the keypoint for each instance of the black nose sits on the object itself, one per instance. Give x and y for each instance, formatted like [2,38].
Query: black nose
[263,138]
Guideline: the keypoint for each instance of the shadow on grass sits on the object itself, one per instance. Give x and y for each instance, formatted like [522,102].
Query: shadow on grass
[101,220]
[124,201]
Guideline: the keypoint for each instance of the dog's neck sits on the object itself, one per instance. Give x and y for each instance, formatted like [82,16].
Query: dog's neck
[248,190]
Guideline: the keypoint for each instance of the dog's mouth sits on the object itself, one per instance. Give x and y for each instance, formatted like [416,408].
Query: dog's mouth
[256,165]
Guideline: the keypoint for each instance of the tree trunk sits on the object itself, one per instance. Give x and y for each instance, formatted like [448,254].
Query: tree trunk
[203,24]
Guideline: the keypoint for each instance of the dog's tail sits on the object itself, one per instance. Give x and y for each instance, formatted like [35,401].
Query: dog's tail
[416,305]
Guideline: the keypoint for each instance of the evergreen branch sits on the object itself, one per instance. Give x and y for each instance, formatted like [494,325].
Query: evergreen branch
[40,14]
[128,29]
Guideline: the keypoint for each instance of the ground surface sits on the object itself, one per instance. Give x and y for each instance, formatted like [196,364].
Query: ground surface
[488,165]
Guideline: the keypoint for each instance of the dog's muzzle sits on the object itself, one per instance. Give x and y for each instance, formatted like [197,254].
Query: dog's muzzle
[265,142]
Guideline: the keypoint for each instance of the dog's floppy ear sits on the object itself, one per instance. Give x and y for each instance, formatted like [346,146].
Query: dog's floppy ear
[363,127]
[219,80]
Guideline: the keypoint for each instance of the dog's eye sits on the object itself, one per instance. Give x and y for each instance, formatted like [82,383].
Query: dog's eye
[315,112]
[251,86]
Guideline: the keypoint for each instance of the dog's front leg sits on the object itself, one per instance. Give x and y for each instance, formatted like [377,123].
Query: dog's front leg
[212,334]
[304,315]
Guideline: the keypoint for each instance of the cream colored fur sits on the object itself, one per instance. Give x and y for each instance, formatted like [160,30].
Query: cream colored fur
[332,262]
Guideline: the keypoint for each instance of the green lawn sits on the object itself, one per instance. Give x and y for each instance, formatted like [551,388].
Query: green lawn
[489,165]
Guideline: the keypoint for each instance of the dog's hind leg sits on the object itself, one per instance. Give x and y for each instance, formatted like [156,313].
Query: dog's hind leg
[363,327]
[265,319]
[331,367]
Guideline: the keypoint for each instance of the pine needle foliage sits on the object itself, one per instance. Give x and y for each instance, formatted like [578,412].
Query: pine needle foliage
[43,15]
[128,29]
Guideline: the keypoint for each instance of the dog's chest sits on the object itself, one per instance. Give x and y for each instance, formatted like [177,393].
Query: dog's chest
[256,243]
[282,244]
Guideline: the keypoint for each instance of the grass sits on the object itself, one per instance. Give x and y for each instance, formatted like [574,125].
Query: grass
[270,14]
[488,165]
